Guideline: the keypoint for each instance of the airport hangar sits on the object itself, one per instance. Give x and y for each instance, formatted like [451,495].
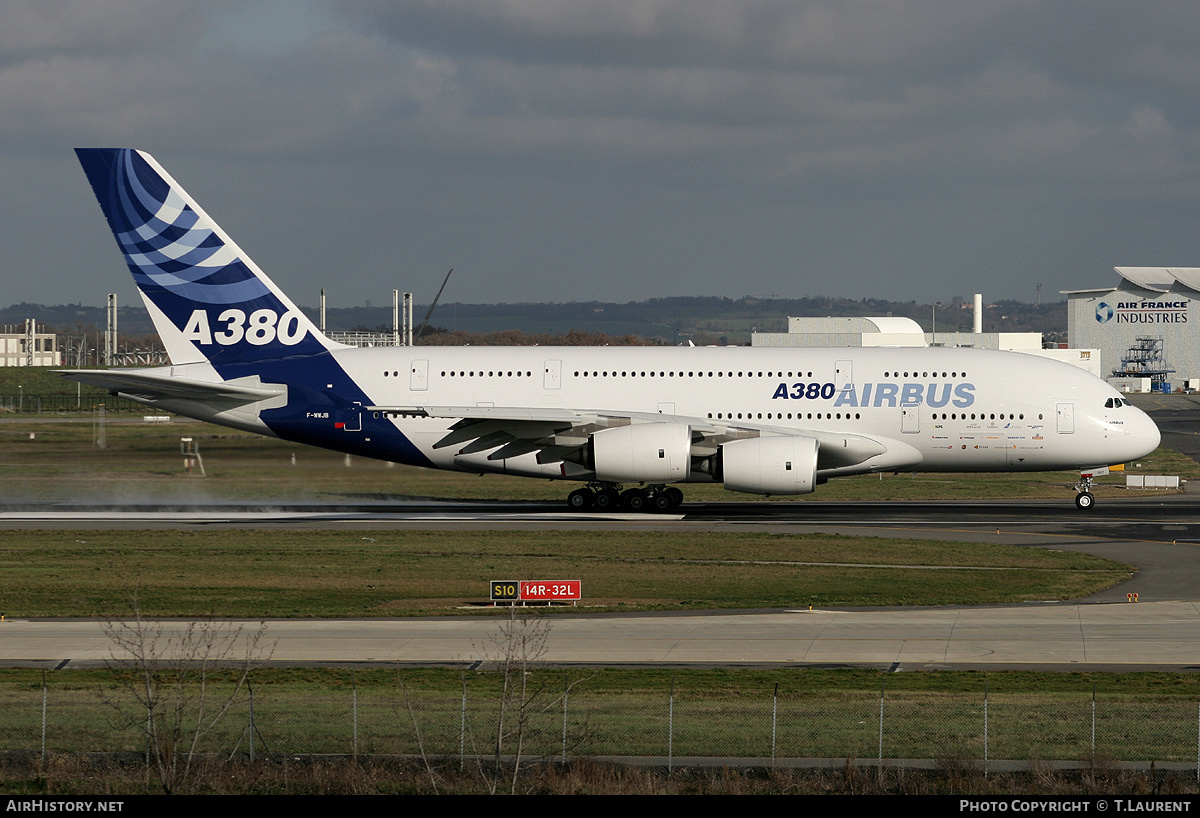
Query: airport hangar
[1147,326]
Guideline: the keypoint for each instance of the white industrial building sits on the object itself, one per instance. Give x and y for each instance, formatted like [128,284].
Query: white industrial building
[1147,326]
[29,347]
[844,332]
[890,331]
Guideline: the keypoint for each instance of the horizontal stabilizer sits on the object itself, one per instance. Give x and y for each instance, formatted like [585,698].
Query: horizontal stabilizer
[150,385]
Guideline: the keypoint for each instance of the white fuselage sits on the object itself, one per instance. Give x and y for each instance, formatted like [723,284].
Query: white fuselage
[959,409]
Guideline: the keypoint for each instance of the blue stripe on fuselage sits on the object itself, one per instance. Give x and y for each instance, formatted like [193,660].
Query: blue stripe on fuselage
[320,395]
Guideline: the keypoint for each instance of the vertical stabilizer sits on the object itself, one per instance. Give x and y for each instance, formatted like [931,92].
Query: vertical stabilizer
[208,300]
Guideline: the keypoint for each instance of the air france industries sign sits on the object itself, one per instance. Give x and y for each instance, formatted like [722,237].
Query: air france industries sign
[1143,312]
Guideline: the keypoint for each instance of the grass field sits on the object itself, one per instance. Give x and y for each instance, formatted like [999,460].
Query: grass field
[398,573]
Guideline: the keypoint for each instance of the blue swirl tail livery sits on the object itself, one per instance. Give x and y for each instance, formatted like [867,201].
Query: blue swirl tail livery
[209,301]
[629,423]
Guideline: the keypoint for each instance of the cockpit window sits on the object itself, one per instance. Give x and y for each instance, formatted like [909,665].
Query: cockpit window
[1116,403]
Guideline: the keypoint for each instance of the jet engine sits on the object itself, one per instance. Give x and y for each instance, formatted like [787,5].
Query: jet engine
[770,465]
[643,453]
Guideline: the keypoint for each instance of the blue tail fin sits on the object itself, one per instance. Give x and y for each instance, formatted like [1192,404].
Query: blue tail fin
[209,301]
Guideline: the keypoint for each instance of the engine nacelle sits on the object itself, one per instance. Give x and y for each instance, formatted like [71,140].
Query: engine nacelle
[770,465]
[643,453]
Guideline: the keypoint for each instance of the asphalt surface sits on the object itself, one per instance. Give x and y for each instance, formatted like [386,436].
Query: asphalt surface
[1160,635]
[1178,419]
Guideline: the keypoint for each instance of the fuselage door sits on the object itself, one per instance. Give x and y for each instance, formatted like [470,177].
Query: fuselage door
[910,419]
[666,407]
[843,374]
[418,380]
[553,375]
[1065,412]
[351,419]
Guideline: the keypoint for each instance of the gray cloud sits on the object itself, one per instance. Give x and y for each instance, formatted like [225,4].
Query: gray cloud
[618,149]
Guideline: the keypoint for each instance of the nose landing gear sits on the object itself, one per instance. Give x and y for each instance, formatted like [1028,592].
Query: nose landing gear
[1084,499]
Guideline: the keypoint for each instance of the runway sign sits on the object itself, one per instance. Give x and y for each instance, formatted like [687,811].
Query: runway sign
[505,590]
[551,590]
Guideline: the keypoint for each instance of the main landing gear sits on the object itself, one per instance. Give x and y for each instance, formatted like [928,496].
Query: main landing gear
[609,497]
[1084,499]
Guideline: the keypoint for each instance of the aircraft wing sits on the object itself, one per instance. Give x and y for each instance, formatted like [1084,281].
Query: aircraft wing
[149,387]
[558,434]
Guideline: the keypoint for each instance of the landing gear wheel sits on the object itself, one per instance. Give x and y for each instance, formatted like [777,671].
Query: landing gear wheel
[634,500]
[606,500]
[1084,500]
[661,502]
[675,496]
[581,499]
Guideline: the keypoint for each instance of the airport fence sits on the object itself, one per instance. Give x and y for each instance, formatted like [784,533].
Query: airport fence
[555,717]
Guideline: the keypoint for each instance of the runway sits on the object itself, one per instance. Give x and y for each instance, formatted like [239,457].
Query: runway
[1159,636]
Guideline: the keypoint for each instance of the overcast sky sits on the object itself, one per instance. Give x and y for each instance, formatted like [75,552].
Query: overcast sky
[615,150]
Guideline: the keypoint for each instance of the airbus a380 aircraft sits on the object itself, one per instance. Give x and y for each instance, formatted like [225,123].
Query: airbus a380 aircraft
[642,419]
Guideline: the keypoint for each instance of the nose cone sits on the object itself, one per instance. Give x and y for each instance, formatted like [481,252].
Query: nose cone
[1141,438]
[1153,436]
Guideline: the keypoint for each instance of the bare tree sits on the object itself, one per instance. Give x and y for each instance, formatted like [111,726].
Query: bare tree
[526,690]
[182,678]
[522,645]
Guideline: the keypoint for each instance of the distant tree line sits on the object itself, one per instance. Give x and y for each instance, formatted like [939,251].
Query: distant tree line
[674,320]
